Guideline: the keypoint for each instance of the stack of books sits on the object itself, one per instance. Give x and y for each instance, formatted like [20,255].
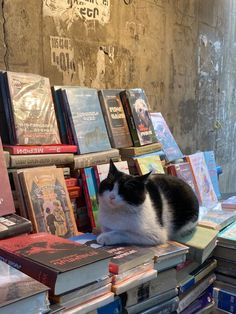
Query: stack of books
[225,252]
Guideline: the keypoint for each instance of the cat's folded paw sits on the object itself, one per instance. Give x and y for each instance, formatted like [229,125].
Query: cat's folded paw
[104,239]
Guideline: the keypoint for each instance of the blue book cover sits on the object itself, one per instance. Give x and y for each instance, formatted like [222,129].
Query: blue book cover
[87,120]
[229,233]
[165,137]
[225,300]
[212,169]
[115,307]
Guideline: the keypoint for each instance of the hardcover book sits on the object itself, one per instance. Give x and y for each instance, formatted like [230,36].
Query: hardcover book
[59,263]
[204,187]
[39,149]
[86,119]
[32,109]
[224,295]
[49,206]
[113,112]
[140,150]
[227,236]
[212,169]
[149,164]
[201,243]
[13,225]
[136,108]
[20,293]
[165,137]
[6,199]
[183,171]
[217,219]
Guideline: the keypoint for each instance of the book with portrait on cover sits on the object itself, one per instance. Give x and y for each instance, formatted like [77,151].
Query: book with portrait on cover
[32,110]
[48,202]
[136,108]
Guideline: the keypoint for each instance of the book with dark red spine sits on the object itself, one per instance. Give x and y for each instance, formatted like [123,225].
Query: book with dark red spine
[59,263]
[74,191]
[40,149]
[71,182]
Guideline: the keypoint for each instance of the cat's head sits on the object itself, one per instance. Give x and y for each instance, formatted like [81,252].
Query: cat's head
[120,189]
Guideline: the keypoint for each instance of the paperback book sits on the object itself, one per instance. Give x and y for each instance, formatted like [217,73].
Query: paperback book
[149,164]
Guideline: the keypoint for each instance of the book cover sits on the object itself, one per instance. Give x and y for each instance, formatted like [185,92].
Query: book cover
[90,192]
[201,243]
[229,203]
[164,251]
[183,171]
[20,293]
[49,206]
[39,149]
[86,119]
[228,235]
[140,150]
[165,137]
[217,219]
[205,190]
[59,263]
[136,108]
[224,295]
[149,164]
[212,169]
[113,112]
[103,169]
[33,109]
[6,198]
[13,225]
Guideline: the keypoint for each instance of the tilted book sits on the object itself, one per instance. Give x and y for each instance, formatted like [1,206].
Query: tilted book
[183,171]
[86,119]
[165,137]
[6,199]
[19,293]
[136,107]
[217,219]
[212,169]
[205,191]
[117,127]
[59,263]
[48,202]
[33,112]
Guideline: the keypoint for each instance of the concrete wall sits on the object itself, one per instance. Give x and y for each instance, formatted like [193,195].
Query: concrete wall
[182,52]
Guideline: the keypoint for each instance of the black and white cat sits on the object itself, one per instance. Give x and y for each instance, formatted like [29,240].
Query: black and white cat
[145,210]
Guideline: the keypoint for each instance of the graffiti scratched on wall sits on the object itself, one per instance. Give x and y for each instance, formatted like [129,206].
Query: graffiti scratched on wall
[70,11]
[62,54]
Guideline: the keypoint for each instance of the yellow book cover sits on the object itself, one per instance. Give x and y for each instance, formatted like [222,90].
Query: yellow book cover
[149,163]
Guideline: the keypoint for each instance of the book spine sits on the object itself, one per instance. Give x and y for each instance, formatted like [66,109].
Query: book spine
[96,174]
[14,229]
[106,118]
[92,159]
[71,182]
[20,198]
[25,161]
[40,149]
[45,275]
[87,198]
[129,118]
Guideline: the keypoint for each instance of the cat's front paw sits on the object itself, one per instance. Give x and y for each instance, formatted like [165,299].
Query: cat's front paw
[104,239]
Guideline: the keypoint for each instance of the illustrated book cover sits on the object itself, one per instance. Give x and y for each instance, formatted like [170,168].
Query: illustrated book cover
[116,123]
[32,109]
[201,243]
[48,202]
[149,164]
[60,264]
[165,137]
[6,198]
[212,169]
[86,119]
[19,293]
[205,191]
[183,171]
[136,108]
[217,219]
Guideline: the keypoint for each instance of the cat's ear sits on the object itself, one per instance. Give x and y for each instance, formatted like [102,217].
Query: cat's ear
[112,168]
[144,177]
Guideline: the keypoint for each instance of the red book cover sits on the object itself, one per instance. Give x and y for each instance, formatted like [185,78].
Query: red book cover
[6,199]
[40,149]
[59,263]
